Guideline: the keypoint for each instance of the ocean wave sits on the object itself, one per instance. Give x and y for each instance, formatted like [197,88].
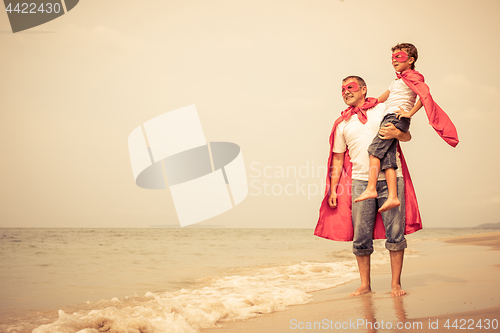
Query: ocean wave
[231,297]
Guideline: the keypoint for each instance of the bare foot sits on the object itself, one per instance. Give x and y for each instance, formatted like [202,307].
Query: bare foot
[397,291]
[367,194]
[360,291]
[389,204]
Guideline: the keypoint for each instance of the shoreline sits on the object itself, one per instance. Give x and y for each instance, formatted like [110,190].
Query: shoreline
[451,279]
[434,270]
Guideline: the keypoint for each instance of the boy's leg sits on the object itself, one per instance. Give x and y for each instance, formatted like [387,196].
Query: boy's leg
[377,150]
[388,164]
[394,222]
[392,186]
[371,189]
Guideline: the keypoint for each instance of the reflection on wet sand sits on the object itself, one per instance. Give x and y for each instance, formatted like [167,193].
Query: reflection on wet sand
[372,325]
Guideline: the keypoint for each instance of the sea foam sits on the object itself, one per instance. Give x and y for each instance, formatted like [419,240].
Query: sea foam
[232,297]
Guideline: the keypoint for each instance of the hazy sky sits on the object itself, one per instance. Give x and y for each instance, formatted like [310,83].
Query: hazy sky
[263,74]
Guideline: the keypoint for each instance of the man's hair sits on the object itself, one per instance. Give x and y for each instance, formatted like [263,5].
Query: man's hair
[410,49]
[360,81]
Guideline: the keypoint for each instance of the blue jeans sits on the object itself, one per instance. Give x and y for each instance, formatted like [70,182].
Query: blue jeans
[365,212]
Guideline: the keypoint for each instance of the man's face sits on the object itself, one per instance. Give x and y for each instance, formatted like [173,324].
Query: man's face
[351,97]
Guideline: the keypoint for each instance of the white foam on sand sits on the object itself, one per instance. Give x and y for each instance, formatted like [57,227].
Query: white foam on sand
[234,297]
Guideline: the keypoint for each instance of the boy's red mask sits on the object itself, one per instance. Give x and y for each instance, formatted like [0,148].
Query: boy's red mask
[400,56]
[351,86]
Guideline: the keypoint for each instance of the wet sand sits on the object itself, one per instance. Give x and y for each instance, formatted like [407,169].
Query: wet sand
[453,281]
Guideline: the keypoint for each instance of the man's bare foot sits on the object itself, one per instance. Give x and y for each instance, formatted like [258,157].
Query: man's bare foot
[360,291]
[397,291]
[367,194]
[389,204]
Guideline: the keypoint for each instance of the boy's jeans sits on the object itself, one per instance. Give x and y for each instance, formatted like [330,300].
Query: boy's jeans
[365,212]
[386,149]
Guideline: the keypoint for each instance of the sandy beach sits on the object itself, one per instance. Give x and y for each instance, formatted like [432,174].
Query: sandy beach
[451,284]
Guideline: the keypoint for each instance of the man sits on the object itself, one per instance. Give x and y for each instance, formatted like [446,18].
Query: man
[349,164]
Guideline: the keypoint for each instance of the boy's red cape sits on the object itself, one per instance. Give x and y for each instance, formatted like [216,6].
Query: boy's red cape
[438,119]
[336,223]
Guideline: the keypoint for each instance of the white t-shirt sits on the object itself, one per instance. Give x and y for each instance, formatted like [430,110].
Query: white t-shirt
[401,95]
[357,137]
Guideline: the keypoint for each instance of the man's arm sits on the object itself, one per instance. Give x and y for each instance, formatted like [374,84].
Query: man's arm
[336,171]
[391,132]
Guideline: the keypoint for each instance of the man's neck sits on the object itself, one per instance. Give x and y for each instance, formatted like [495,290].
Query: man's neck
[359,104]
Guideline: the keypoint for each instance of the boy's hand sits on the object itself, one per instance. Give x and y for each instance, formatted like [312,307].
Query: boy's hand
[402,113]
[332,200]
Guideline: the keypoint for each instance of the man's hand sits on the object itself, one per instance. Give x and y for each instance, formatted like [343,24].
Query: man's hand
[388,132]
[332,200]
[403,114]
[391,132]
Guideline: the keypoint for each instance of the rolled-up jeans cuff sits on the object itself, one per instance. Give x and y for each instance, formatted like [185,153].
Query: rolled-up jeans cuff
[396,246]
[362,252]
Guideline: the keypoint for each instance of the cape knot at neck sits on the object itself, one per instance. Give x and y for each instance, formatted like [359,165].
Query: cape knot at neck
[347,114]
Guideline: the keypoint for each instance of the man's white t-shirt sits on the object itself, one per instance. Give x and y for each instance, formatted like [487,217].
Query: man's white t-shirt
[400,95]
[355,136]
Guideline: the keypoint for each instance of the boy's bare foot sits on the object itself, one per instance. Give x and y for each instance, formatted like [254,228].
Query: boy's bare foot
[367,194]
[397,291]
[360,291]
[389,204]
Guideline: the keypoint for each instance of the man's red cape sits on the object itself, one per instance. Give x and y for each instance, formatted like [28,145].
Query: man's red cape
[438,119]
[336,223]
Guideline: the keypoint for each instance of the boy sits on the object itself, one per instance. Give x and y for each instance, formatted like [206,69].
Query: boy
[400,107]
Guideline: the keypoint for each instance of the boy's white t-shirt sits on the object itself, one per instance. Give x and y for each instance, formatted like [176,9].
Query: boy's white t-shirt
[400,95]
[357,137]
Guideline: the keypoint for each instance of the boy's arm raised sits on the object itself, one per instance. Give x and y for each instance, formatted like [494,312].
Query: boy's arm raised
[384,97]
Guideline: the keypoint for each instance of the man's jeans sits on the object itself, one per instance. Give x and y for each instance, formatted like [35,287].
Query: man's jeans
[365,212]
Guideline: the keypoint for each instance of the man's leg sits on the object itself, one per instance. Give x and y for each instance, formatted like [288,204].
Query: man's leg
[396,269]
[364,273]
[394,222]
[363,219]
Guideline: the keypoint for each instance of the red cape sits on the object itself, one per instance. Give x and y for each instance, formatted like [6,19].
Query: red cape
[438,119]
[336,223]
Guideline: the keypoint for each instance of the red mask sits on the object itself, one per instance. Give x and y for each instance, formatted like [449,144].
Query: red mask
[351,86]
[400,56]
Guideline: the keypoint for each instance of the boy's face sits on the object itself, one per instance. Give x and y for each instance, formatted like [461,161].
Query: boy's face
[401,61]
[353,94]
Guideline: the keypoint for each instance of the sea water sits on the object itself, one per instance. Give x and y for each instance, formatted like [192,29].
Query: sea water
[166,279]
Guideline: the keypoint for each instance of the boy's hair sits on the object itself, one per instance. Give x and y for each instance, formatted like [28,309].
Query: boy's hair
[410,49]
[361,82]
